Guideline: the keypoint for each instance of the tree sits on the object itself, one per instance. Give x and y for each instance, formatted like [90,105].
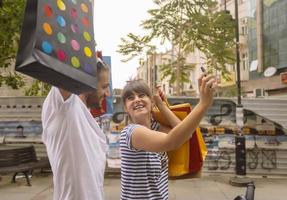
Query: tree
[38,88]
[186,24]
[11,15]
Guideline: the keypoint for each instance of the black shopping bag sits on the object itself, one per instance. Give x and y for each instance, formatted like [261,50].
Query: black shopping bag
[57,44]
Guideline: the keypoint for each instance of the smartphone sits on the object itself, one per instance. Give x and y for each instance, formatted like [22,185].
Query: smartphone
[202,69]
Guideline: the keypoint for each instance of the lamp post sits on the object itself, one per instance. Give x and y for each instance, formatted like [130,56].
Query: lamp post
[237,55]
[240,148]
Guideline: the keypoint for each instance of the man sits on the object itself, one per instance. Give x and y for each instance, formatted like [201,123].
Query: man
[76,145]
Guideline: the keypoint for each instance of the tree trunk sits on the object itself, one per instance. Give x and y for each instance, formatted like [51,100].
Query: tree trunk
[177,87]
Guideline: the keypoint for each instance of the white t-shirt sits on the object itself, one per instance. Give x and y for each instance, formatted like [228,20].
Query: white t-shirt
[76,148]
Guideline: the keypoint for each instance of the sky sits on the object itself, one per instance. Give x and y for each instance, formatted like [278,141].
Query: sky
[114,19]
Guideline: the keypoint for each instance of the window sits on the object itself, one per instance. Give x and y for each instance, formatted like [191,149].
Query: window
[244,30]
[244,61]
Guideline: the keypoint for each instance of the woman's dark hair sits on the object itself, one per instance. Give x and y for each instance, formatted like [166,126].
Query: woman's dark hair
[138,86]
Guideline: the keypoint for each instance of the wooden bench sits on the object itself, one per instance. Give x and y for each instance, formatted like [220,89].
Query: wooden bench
[20,160]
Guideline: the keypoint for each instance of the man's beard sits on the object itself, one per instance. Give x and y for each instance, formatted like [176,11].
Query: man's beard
[94,104]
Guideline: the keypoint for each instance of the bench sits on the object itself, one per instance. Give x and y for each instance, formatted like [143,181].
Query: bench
[20,160]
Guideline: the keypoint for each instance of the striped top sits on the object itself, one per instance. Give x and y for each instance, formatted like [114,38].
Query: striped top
[144,175]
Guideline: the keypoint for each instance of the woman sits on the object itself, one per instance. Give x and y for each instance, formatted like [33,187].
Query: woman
[143,145]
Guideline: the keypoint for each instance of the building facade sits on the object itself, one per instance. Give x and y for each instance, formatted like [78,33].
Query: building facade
[149,70]
[262,46]
[267,43]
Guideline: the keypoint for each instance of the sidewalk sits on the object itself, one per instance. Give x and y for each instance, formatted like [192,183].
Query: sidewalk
[209,187]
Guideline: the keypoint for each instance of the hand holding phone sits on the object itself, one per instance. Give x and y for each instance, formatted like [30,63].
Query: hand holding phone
[203,70]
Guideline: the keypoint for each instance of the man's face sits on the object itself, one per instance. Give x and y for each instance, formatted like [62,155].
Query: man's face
[94,99]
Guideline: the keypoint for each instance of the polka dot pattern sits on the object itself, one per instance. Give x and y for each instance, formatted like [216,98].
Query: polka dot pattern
[67,31]
[75,45]
[47,28]
[61,21]
[61,38]
[48,11]
[75,28]
[86,22]
[47,47]
[87,36]
[88,52]
[61,55]
[74,13]
[61,5]
[75,62]
[74,2]
[84,8]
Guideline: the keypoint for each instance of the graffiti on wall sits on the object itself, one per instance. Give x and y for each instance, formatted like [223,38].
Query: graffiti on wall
[264,154]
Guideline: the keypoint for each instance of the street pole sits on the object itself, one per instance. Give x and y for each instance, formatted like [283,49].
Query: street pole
[237,55]
[240,153]
[240,148]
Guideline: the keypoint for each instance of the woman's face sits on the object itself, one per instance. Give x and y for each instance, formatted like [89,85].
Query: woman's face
[138,106]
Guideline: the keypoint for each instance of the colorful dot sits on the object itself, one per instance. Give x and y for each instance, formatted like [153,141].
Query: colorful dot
[88,52]
[61,5]
[48,11]
[75,28]
[75,62]
[84,8]
[47,47]
[61,37]
[75,45]
[61,55]
[74,2]
[85,21]
[47,28]
[61,21]
[74,13]
[89,68]
[87,36]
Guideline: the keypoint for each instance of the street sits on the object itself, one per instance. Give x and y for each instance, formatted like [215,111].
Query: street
[208,187]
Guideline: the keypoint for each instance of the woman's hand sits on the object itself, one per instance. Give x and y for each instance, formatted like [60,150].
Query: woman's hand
[158,101]
[207,85]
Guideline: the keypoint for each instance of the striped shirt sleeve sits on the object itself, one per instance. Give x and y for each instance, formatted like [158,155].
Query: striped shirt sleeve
[129,130]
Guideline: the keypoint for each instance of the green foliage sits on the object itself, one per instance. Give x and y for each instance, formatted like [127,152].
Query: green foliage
[186,24]
[38,88]
[134,45]
[15,81]
[168,70]
[218,46]
[11,15]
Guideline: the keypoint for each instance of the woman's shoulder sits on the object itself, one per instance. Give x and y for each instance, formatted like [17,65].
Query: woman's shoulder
[129,127]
